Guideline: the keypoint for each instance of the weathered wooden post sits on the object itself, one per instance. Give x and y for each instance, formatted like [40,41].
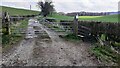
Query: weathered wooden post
[75,25]
[6,22]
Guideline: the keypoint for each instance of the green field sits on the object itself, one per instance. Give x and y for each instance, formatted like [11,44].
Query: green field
[90,17]
[16,11]
[109,18]
[59,17]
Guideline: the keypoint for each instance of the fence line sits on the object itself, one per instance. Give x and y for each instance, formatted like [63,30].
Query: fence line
[95,28]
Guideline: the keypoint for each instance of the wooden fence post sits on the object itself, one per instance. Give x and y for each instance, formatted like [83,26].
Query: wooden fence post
[6,22]
[75,25]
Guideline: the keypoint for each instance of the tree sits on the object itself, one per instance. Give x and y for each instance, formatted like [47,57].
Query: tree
[46,7]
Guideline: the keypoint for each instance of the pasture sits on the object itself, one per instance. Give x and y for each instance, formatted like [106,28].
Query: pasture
[109,18]
[17,11]
[59,17]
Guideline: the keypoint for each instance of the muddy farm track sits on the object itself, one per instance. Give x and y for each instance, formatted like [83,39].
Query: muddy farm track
[46,48]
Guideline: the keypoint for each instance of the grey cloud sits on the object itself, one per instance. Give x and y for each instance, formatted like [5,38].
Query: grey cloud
[72,5]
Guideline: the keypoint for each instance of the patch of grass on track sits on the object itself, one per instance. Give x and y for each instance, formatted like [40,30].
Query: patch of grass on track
[72,37]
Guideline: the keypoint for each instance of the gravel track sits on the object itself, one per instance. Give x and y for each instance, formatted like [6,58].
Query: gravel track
[48,49]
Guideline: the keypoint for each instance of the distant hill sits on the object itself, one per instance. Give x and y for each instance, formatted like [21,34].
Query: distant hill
[113,13]
[17,11]
[83,13]
[87,13]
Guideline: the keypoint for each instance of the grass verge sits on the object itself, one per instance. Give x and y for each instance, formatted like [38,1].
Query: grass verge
[105,54]
[72,37]
[16,36]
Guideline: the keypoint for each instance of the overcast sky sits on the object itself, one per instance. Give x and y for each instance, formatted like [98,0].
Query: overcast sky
[68,5]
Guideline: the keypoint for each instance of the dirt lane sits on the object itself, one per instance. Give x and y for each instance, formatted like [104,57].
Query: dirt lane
[62,53]
[22,53]
[47,49]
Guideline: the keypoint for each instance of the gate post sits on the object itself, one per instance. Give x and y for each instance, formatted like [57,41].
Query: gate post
[75,25]
[7,23]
